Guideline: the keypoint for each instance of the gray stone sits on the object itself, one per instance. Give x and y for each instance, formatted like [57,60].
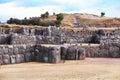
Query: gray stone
[20,58]
[12,59]
[63,53]
[6,59]
[54,55]
[72,53]
[28,57]
[1,60]
[81,54]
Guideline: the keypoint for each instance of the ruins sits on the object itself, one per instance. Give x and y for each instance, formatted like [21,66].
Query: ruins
[52,44]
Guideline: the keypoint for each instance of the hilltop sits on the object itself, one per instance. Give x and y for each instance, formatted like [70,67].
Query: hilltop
[81,20]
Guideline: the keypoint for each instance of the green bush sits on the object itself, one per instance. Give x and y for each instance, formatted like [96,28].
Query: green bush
[36,20]
[102,14]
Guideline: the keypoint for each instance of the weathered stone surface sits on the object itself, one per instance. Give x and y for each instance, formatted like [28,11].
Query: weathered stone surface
[39,31]
[20,58]
[25,31]
[48,54]
[100,32]
[72,53]
[63,53]
[54,54]
[12,59]
[5,39]
[32,31]
[24,44]
[16,50]
[6,59]
[114,52]
[1,60]
[81,54]
[10,50]
[1,51]
[28,57]
[6,50]
[23,39]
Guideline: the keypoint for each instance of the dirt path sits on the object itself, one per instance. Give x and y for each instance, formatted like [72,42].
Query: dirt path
[89,69]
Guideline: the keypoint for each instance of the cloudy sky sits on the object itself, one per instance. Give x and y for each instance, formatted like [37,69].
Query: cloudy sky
[29,8]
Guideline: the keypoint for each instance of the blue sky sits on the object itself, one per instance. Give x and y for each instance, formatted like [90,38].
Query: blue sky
[29,8]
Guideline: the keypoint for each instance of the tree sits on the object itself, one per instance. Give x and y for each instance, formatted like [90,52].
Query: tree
[60,17]
[47,14]
[14,21]
[57,23]
[34,21]
[25,22]
[53,13]
[25,18]
[102,14]
[42,15]
[10,21]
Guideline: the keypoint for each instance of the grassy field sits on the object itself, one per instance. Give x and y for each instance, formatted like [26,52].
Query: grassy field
[89,69]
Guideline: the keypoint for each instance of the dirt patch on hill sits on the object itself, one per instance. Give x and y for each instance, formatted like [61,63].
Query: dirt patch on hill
[89,69]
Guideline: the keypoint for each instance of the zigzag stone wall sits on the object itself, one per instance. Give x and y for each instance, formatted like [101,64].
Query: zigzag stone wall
[11,54]
[24,45]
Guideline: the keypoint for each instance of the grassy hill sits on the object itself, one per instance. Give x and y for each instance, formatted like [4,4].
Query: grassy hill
[86,19]
[98,21]
[82,19]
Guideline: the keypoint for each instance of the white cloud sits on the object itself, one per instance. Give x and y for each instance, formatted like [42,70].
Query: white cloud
[79,3]
[109,11]
[11,9]
[8,10]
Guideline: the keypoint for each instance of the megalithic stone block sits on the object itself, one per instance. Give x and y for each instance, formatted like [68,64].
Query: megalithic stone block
[28,57]
[54,54]
[1,50]
[1,60]
[10,49]
[15,50]
[63,53]
[12,59]
[20,58]
[71,53]
[81,54]
[6,59]
[5,49]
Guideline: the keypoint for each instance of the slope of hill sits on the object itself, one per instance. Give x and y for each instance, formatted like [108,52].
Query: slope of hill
[95,20]
[50,18]
[86,19]
[82,19]
[68,20]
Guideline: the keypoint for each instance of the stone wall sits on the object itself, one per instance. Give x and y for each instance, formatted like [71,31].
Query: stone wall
[56,53]
[5,38]
[50,35]
[47,54]
[111,42]
[10,54]
[23,39]
[107,50]
[24,45]
[113,37]
[72,52]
